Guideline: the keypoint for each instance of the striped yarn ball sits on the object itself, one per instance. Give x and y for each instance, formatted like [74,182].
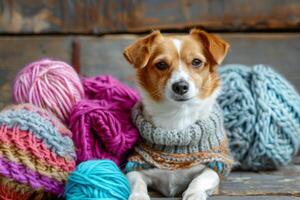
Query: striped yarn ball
[50,84]
[36,153]
[261,114]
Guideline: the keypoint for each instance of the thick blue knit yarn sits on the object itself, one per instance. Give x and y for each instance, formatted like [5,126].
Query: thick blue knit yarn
[97,179]
[261,114]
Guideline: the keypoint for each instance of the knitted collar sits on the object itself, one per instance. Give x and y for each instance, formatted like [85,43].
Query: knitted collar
[200,136]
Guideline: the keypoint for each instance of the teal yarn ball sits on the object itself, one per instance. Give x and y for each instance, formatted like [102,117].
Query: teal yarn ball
[261,115]
[97,179]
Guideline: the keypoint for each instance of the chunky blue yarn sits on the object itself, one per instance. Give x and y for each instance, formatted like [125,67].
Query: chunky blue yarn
[261,114]
[97,179]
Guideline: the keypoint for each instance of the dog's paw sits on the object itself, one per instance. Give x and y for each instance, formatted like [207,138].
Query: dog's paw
[139,196]
[194,195]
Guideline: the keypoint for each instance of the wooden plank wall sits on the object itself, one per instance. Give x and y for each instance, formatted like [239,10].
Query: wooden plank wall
[278,50]
[110,16]
[103,55]
[15,52]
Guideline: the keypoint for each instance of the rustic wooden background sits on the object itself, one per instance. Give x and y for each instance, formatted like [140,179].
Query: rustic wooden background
[92,34]
[123,16]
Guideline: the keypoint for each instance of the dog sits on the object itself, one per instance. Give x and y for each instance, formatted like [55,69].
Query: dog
[178,82]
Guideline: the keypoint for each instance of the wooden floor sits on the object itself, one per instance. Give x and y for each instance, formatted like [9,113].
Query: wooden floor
[276,185]
[103,55]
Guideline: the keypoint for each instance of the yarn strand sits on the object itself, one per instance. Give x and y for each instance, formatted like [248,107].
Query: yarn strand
[101,125]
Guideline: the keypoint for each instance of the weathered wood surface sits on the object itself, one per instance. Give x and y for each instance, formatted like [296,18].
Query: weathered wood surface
[282,51]
[109,16]
[103,55]
[282,182]
[16,52]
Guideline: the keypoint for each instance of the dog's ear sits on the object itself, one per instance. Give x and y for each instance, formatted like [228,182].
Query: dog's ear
[217,47]
[138,53]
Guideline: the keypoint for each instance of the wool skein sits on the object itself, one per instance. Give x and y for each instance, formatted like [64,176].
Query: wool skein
[36,153]
[261,115]
[97,179]
[50,84]
[102,125]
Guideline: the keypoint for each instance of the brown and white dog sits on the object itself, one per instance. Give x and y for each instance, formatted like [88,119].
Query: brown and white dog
[178,82]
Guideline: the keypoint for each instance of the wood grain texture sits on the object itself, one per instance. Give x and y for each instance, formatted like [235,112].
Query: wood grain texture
[103,16]
[278,184]
[16,52]
[282,182]
[105,56]
[282,51]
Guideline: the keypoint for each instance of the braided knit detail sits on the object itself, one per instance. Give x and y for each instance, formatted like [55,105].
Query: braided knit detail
[42,113]
[8,193]
[36,152]
[9,189]
[261,115]
[12,190]
[27,120]
[174,161]
[28,143]
[32,163]
[24,175]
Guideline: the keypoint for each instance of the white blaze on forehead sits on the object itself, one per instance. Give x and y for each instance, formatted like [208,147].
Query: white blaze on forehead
[177,44]
[179,74]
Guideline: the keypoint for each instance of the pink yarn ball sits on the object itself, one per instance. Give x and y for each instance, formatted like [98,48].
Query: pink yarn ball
[102,125]
[50,84]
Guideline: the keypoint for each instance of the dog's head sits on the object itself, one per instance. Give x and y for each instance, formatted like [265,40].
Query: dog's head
[177,68]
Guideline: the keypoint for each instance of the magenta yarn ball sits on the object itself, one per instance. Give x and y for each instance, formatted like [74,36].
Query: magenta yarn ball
[101,125]
[50,84]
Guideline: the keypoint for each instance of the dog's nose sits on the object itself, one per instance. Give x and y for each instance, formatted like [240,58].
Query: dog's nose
[180,87]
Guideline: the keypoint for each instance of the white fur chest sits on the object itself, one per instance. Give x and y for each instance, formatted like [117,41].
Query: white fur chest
[176,115]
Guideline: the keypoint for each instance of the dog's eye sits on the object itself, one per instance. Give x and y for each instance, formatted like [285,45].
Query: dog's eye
[197,62]
[161,65]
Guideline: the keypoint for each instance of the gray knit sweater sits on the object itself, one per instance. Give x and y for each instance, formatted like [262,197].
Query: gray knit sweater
[202,142]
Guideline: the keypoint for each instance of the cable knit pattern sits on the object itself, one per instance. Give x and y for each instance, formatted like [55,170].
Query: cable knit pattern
[261,115]
[203,142]
[31,121]
[25,175]
[20,139]
[10,190]
[36,150]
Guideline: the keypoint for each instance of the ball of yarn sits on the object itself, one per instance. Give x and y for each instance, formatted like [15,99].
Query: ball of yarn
[262,116]
[102,125]
[105,87]
[97,179]
[36,152]
[50,84]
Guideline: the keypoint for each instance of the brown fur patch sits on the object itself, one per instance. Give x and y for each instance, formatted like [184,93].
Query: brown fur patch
[199,44]
[152,79]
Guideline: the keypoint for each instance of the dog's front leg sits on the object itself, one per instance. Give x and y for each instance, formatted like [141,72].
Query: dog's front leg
[138,183]
[202,186]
